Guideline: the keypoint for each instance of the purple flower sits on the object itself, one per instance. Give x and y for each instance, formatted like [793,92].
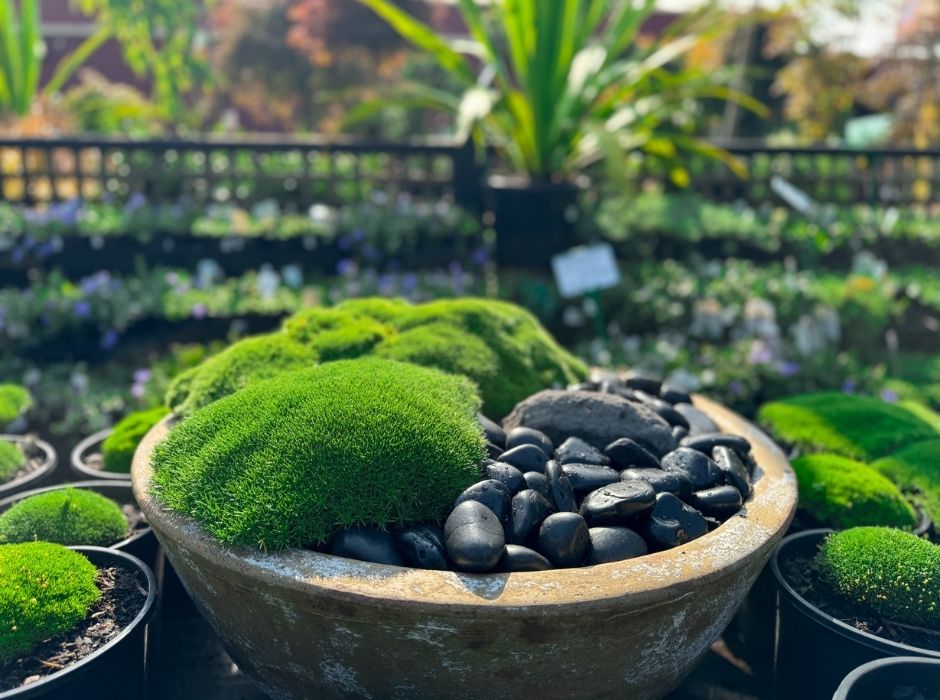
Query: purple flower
[199,311]
[760,354]
[789,369]
[82,308]
[142,376]
[889,395]
[409,282]
[736,387]
[849,386]
[138,391]
[358,235]
[135,202]
[345,267]
[109,340]
[480,256]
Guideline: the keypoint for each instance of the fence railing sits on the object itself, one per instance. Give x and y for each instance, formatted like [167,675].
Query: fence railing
[337,171]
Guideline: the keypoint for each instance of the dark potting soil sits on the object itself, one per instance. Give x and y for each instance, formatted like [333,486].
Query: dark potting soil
[135,518]
[804,575]
[123,593]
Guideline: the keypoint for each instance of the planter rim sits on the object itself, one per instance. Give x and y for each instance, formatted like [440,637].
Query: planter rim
[91,486]
[99,556]
[652,579]
[873,641]
[845,687]
[524,182]
[50,459]
[77,459]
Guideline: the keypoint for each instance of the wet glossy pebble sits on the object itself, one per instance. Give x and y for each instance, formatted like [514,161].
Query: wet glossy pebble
[615,544]
[663,409]
[538,482]
[643,383]
[700,468]
[529,436]
[698,421]
[507,474]
[474,537]
[519,558]
[491,493]
[493,451]
[717,502]
[616,503]
[564,539]
[560,485]
[709,441]
[678,432]
[589,477]
[492,430]
[422,546]
[526,458]
[673,395]
[735,471]
[671,523]
[625,453]
[574,450]
[529,509]
[367,544]
[676,483]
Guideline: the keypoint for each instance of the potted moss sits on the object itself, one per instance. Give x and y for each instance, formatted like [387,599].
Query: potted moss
[80,618]
[107,454]
[25,462]
[15,401]
[851,597]
[899,677]
[91,513]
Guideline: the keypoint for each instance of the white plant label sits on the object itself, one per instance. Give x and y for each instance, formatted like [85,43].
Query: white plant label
[585,269]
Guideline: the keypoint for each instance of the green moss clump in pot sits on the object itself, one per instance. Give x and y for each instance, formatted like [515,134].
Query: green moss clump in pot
[14,402]
[854,426]
[891,573]
[66,516]
[45,590]
[118,448]
[288,461]
[842,493]
[916,467]
[12,459]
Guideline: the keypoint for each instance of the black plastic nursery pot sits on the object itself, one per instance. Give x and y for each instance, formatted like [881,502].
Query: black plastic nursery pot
[86,461]
[141,543]
[33,447]
[815,651]
[900,677]
[116,670]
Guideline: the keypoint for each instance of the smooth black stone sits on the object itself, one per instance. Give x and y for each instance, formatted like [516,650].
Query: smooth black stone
[709,441]
[422,546]
[529,509]
[564,539]
[367,544]
[700,468]
[526,458]
[589,477]
[560,485]
[506,474]
[474,537]
[529,436]
[712,523]
[676,483]
[519,558]
[735,471]
[678,433]
[674,395]
[491,493]
[663,409]
[615,544]
[718,502]
[646,384]
[574,450]
[493,451]
[671,523]
[610,386]
[626,453]
[616,503]
[584,386]
[538,482]
[659,448]
[493,430]
[699,422]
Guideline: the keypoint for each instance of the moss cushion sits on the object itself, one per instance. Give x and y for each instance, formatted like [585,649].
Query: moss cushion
[916,467]
[66,516]
[14,402]
[12,459]
[118,448]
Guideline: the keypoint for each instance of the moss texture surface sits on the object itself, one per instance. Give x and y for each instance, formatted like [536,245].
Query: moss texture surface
[14,402]
[288,461]
[842,493]
[45,590]
[891,573]
[65,516]
[12,459]
[118,448]
[917,467]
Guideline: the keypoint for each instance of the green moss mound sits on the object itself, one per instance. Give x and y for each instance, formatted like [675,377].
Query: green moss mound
[14,402]
[891,573]
[64,516]
[843,493]
[377,308]
[12,459]
[854,426]
[45,590]
[118,448]
[250,360]
[916,467]
[288,461]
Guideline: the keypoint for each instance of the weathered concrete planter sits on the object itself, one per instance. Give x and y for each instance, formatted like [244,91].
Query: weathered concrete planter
[305,624]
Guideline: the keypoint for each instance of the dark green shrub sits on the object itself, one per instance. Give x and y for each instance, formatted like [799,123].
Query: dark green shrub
[842,493]
[287,461]
[247,361]
[854,426]
[66,516]
[14,402]
[45,590]
[917,467]
[12,459]
[118,448]
[891,573]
